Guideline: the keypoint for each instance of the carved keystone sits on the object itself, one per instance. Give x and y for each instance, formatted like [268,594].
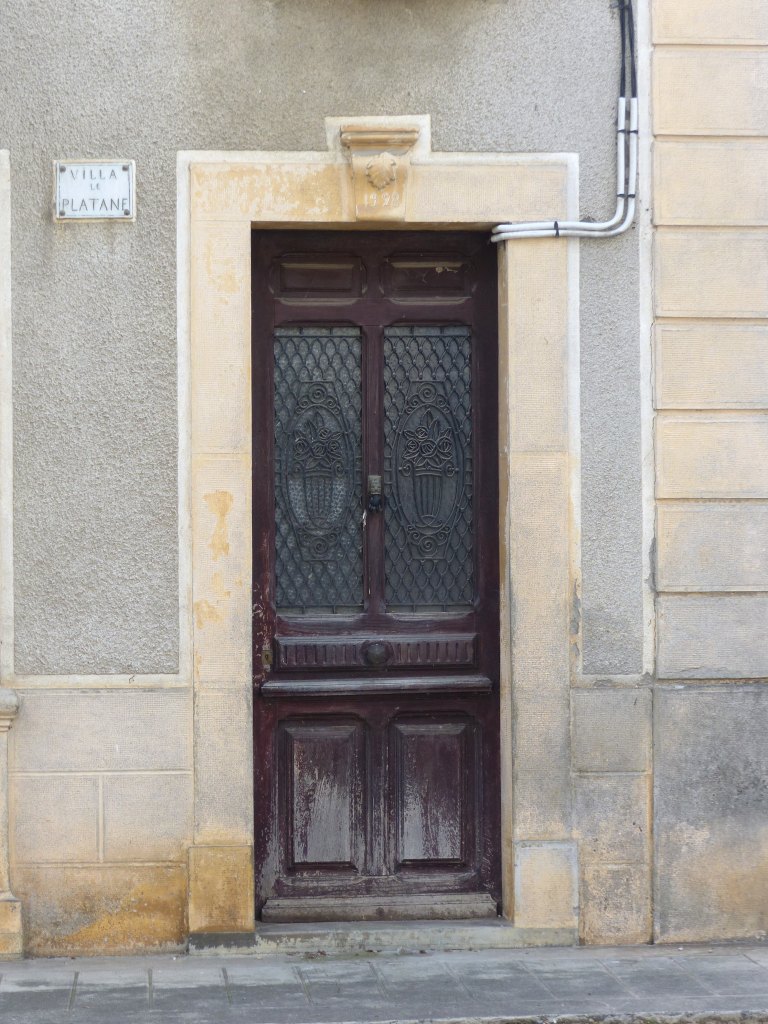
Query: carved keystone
[11,937]
[380,160]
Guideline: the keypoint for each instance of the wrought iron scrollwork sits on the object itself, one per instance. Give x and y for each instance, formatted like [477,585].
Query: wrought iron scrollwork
[318,451]
[428,482]
[428,457]
[319,469]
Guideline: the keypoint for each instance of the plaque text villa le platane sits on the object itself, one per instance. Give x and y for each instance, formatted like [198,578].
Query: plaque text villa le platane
[94,190]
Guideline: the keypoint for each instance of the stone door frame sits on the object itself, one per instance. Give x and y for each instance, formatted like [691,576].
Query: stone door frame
[221,196]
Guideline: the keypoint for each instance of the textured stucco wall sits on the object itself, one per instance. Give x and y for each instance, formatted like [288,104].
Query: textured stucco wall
[94,305]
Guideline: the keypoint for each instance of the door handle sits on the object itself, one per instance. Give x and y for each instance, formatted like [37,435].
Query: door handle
[375,497]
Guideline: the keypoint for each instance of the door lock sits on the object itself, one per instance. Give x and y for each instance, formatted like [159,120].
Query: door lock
[375,497]
[267,657]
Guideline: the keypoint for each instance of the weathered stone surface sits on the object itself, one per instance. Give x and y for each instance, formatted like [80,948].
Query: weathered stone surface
[221,556]
[616,904]
[92,730]
[711,273]
[310,190]
[694,183]
[709,91]
[539,558]
[710,21]
[522,191]
[221,896]
[542,782]
[712,456]
[97,910]
[11,929]
[538,359]
[223,767]
[220,300]
[711,810]
[546,885]
[55,818]
[712,546]
[711,366]
[147,817]
[611,818]
[540,653]
[611,730]
[712,637]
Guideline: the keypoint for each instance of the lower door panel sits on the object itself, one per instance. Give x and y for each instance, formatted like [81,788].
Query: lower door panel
[379,811]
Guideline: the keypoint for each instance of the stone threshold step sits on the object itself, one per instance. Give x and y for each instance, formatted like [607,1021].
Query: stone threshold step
[360,937]
[463,906]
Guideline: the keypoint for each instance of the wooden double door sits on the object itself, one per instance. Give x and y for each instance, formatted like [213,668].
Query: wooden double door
[376,619]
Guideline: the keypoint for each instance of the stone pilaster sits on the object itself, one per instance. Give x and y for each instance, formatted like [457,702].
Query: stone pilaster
[11,926]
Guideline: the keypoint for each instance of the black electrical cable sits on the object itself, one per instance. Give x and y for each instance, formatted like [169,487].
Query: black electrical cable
[627,19]
[622,16]
[632,56]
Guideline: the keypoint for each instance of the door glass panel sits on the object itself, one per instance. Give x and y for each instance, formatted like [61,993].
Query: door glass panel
[428,468]
[318,536]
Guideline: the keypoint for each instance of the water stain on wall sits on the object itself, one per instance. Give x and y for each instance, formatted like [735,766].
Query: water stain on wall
[220,504]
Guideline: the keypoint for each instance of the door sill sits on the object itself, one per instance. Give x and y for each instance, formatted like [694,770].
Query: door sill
[349,938]
[464,906]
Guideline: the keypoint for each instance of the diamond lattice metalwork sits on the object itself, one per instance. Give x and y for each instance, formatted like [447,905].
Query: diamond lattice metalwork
[318,538]
[429,542]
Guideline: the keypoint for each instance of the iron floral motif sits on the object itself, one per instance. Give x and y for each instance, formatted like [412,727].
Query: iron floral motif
[428,455]
[320,469]
[317,449]
[429,480]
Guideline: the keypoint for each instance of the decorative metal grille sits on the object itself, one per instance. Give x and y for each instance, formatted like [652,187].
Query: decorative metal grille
[428,468]
[318,536]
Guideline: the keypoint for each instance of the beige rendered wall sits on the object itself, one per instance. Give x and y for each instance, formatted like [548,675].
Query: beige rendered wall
[711,396]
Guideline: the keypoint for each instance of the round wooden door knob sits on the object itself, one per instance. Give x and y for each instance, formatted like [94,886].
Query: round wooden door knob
[377,654]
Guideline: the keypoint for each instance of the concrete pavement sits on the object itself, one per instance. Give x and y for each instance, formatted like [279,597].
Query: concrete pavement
[648,984]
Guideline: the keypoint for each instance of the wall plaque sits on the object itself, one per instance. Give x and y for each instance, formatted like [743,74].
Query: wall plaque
[94,190]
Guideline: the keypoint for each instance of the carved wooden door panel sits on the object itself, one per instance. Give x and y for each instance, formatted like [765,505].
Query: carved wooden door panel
[375,575]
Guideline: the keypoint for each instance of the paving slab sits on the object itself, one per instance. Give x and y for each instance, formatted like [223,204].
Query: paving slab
[630,985]
[657,977]
[179,991]
[729,975]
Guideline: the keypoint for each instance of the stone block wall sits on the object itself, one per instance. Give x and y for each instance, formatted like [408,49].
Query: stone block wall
[611,781]
[101,812]
[711,398]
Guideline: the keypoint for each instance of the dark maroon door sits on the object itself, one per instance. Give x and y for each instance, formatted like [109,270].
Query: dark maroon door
[376,619]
